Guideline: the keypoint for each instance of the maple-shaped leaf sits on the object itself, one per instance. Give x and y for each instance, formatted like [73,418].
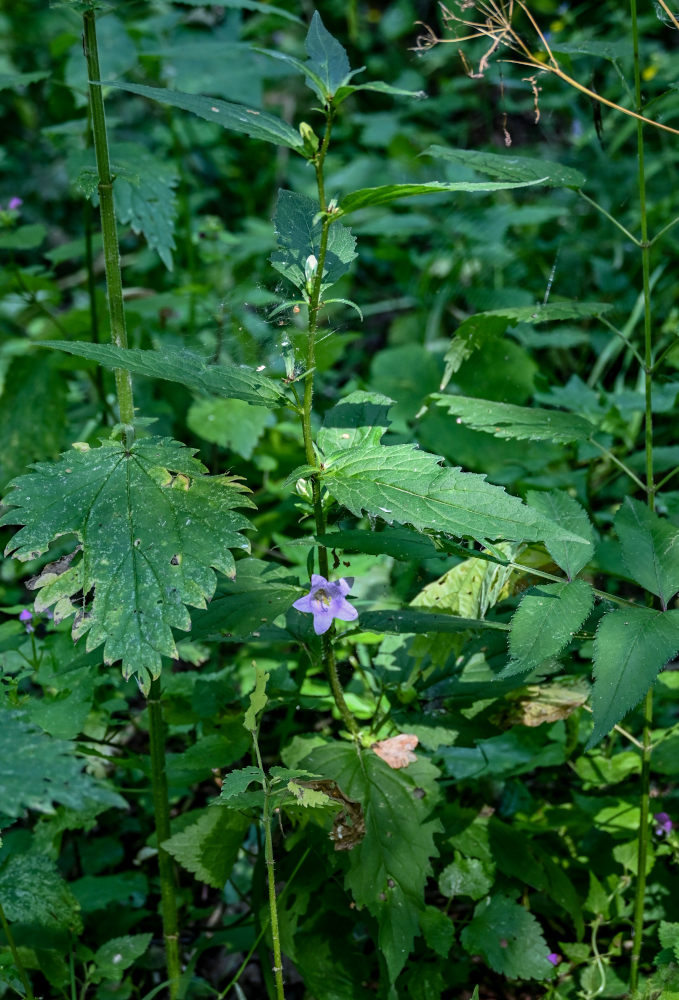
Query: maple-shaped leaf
[150,528]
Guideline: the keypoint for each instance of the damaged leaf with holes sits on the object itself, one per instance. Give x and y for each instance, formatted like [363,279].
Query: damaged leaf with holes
[148,528]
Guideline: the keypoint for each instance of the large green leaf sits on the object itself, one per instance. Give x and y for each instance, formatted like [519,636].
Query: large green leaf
[475,331]
[546,620]
[386,193]
[144,195]
[236,117]
[298,231]
[39,772]
[650,548]
[631,648]
[229,381]
[566,511]
[511,168]
[152,527]
[509,939]
[401,543]
[388,869]
[524,423]
[209,847]
[33,892]
[403,484]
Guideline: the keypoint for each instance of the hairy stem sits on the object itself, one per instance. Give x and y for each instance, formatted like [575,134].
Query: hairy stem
[161,810]
[15,955]
[114,281]
[644,831]
[271,878]
[319,515]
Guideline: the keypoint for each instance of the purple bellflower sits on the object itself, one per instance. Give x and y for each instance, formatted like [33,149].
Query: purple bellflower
[326,601]
[14,204]
[554,958]
[665,824]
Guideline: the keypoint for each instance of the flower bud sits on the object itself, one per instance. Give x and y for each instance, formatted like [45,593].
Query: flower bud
[310,139]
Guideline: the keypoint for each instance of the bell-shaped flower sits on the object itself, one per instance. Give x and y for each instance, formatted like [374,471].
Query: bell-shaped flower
[326,601]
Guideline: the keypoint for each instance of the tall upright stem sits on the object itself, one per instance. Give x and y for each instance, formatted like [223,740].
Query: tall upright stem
[644,830]
[271,877]
[319,515]
[161,809]
[18,964]
[114,282]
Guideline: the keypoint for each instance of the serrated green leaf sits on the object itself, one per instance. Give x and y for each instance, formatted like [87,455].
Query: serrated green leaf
[410,621]
[359,418]
[229,381]
[298,232]
[117,955]
[145,197]
[236,782]
[209,847]
[39,771]
[386,193]
[235,117]
[650,548]
[328,60]
[258,700]
[511,168]
[388,869]
[438,930]
[260,593]
[230,423]
[466,877]
[522,423]
[404,484]
[24,238]
[153,528]
[508,938]
[33,892]
[401,543]
[469,589]
[630,649]
[545,622]
[566,511]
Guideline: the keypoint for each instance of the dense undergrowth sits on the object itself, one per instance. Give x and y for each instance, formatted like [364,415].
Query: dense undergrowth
[338,454]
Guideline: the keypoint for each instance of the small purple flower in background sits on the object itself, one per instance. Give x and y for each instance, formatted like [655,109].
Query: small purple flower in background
[554,958]
[14,204]
[26,617]
[665,824]
[326,601]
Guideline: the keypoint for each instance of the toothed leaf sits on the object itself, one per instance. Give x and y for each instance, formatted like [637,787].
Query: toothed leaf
[650,548]
[545,622]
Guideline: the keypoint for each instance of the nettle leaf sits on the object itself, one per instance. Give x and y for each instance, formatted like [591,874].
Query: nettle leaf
[650,548]
[209,847]
[298,231]
[404,484]
[545,622]
[508,938]
[386,193]
[235,117]
[145,197]
[113,958]
[630,649]
[475,331]
[33,892]
[565,510]
[411,621]
[389,867]
[522,423]
[511,168]
[229,381]
[360,418]
[39,772]
[153,528]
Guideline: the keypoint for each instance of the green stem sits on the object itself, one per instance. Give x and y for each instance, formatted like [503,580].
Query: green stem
[114,282]
[644,831]
[611,218]
[328,651]
[15,955]
[271,878]
[161,809]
